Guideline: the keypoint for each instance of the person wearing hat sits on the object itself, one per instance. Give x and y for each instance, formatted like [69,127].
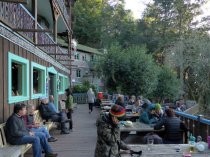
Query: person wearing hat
[108,133]
[47,113]
[148,114]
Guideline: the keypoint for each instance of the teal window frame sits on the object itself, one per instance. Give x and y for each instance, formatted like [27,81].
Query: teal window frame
[61,84]
[24,76]
[43,80]
[66,82]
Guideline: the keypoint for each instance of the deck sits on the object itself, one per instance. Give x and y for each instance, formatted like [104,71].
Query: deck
[81,142]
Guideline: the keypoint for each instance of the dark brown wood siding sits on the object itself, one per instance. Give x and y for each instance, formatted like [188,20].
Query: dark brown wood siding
[5,47]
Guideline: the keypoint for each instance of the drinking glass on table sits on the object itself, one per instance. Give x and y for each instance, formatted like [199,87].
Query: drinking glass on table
[150,142]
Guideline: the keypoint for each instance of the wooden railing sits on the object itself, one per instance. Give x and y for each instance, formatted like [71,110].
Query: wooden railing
[197,125]
[64,11]
[16,16]
[80,98]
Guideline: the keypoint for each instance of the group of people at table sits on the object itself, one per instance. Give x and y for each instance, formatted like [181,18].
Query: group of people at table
[108,125]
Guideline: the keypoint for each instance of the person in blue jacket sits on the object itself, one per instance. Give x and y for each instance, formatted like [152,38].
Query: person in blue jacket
[148,114]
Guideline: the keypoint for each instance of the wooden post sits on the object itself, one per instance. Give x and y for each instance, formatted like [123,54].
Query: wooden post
[34,13]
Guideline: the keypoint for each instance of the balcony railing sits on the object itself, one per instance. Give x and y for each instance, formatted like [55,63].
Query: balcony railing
[197,125]
[63,9]
[16,16]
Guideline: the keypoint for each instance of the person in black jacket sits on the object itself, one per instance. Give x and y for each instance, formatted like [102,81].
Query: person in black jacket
[48,113]
[174,128]
[18,134]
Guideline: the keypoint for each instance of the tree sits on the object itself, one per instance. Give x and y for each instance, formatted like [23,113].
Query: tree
[168,85]
[192,55]
[167,21]
[87,22]
[133,74]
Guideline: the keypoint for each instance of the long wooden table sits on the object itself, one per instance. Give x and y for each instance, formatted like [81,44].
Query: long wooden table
[138,127]
[166,150]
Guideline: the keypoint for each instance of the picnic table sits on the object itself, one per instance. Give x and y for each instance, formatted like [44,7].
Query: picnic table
[166,150]
[132,116]
[138,127]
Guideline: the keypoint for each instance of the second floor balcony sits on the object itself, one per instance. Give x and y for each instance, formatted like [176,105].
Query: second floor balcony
[20,19]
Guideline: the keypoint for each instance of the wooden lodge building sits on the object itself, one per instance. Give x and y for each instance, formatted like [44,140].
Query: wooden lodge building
[32,64]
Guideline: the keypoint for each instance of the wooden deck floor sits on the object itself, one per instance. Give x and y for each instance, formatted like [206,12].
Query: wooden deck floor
[81,142]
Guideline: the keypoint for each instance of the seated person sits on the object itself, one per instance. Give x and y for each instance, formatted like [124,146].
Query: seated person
[174,128]
[136,107]
[158,111]
[18,134]
[36,127]
[47,113]
[148,114]
[132,100]
[120,101]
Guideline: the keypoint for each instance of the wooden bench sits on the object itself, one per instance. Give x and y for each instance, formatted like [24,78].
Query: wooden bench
[7,150]
[38,119]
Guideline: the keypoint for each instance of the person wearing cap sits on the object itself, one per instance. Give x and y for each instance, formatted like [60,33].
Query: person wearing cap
[48,113]
[158,111]
[108,133]
[148,114]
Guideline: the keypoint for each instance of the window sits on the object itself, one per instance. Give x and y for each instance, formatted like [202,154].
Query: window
[78,73]
[66,82]
[76,56]
[61,84]
[92,58]
[18,78]
[38,81]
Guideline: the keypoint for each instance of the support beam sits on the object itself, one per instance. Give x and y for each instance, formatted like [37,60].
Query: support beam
[15,1]
[45,45]
[32,30]
[65,60]
[61,54]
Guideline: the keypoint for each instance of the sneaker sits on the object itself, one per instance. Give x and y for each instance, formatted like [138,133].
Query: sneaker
[52,139]
[51,154]
[65,132]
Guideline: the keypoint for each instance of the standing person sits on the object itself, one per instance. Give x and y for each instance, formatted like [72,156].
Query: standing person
[18,134]
[108,133]
[91,99]
[69,107]
[34,126]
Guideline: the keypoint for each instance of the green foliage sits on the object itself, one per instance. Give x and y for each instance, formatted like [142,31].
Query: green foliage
[192,58]
[83,88]
[168,85]
[133,74]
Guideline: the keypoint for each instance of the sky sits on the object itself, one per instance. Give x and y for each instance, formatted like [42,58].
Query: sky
[138,6]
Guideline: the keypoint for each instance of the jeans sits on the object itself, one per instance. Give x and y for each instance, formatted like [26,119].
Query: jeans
[43,141]
[35,141]
[69,116]
[43,130]
[60,117]
[90,106]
